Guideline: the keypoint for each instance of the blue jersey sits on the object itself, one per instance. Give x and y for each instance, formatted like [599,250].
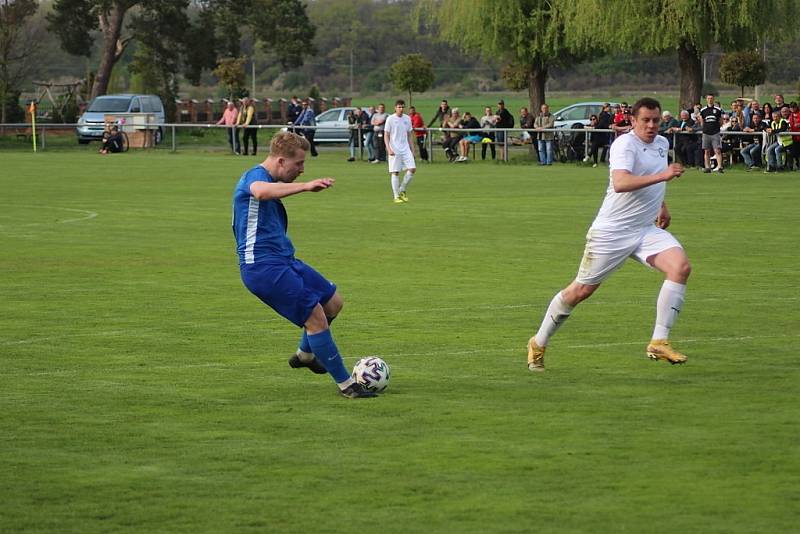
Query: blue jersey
[259,225]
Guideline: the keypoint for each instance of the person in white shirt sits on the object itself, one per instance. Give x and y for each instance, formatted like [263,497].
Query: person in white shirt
[397,137]
[631,223]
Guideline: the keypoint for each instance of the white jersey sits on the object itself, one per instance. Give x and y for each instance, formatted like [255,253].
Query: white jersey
[398,129]
[637,209]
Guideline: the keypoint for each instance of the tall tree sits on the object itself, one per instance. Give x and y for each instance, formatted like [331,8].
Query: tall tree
[77,21]
[687,27]
[529,34]
[18,45]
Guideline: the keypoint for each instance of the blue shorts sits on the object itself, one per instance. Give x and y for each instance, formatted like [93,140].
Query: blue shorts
[500,137]
[474,138]
[292,289]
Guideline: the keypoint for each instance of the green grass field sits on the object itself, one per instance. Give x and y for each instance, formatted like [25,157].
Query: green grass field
[144,389]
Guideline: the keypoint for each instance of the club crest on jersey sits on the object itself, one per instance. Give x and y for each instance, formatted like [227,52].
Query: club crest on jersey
[660,152]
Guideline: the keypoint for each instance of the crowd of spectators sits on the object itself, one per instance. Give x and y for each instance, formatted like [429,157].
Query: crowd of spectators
[741,126]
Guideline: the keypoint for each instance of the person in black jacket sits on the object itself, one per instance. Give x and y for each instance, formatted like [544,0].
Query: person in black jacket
[504,120]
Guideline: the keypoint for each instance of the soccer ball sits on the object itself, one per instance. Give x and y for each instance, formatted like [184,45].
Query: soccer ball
[372,373]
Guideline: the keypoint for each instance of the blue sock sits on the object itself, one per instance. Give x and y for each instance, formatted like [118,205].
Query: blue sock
[304,345]
[324,348]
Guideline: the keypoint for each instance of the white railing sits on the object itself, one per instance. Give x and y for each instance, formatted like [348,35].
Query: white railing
[562,134]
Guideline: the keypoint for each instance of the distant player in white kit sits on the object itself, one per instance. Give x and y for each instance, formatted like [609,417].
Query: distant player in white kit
[631,223]
[397,135]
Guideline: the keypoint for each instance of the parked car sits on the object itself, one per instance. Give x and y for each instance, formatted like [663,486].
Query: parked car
[332,126]
[578,113]
[92,123]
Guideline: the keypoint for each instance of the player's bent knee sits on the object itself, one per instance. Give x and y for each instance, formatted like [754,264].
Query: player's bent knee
[316,322]
[334,305]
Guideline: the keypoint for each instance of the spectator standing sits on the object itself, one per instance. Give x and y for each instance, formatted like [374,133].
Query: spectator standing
[369,134]
[309,119]
[504,120]
[543,122]
[378,121]
[600,139]
[686,145]
[418,123]
[667,125]
[442,114]
[711,119]
[488,121]
[794,126]
[748,112]
[294,109]
[246,120]
[355,123]
[526,122]
[229,118]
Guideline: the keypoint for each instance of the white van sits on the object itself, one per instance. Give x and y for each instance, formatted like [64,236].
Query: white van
[92,122]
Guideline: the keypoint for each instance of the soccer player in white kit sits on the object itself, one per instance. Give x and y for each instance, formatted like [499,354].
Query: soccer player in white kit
[397,135]
[631,223]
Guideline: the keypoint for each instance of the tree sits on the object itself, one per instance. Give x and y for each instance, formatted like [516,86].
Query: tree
[230,72]
[745,69]
[688,27]
[530,35]
[18,46]
[76,22]
[412,72]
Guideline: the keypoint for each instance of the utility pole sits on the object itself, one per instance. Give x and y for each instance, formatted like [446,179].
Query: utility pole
[351,71]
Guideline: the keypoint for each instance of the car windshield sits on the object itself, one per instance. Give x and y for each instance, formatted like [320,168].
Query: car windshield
[113,105]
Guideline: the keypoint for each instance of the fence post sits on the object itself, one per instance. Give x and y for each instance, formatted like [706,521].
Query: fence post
[173,138]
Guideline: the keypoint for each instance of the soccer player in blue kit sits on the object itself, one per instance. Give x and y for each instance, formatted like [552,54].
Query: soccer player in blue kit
[268,266]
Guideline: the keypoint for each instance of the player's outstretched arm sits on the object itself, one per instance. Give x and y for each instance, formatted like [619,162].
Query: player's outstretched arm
[274,190]
[625,182]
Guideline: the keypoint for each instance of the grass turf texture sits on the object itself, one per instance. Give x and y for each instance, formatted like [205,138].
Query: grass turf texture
[143,388]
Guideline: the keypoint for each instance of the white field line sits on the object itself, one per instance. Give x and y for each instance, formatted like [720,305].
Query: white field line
[86,216]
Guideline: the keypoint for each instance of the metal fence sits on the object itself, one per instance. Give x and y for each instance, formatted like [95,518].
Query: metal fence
[183,136]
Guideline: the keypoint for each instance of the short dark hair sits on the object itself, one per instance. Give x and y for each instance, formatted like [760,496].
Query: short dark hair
[646,102]
[399,102]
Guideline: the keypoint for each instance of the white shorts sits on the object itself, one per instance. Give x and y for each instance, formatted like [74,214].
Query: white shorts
[607,250]
[402,160]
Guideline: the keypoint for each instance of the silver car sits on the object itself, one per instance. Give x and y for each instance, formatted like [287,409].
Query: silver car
[332,126]
[578,113]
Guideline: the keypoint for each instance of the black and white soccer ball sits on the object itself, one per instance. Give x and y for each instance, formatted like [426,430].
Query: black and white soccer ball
[372,373]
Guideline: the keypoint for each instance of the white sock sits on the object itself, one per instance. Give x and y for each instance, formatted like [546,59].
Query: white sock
[557,313]
[396,185]
[406,180]
[668,306]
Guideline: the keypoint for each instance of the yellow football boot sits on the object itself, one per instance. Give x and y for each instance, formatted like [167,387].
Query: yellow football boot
[535,356]
[660,349]
[403,196]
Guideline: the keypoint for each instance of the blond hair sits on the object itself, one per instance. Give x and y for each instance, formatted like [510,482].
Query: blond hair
[287,144]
